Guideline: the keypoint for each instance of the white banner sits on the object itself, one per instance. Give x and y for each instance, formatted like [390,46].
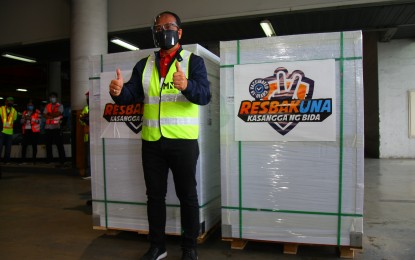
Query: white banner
[118,121]
[285,101]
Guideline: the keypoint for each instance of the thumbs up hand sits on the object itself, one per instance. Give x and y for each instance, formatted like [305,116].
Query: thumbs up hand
[116,84]
[179,78]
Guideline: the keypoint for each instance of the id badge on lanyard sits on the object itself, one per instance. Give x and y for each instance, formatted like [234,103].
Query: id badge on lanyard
[161,82]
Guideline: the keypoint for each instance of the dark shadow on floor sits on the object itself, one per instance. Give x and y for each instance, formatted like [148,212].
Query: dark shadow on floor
[82,208]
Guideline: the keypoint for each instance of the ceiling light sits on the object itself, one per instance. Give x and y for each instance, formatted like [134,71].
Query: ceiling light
[21,89]
[267,27]
[18,57]
[124,44]
[1,97]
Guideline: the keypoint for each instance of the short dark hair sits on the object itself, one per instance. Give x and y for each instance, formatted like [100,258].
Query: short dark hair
[178,21]
[53,94]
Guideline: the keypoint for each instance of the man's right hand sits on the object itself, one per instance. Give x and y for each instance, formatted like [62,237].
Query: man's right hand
[116,84]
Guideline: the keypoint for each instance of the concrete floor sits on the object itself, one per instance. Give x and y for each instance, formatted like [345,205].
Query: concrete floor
[43,215]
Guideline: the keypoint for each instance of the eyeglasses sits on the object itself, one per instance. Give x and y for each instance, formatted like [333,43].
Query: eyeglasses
[166,26]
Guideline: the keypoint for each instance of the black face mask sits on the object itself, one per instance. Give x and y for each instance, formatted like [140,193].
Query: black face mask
[9,104]
[166,39]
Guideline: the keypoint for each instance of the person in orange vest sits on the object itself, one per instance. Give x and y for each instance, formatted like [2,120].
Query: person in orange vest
[31,129]
[53,114]
[8,115]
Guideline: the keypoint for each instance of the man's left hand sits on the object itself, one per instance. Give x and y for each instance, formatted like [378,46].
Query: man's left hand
[179,78]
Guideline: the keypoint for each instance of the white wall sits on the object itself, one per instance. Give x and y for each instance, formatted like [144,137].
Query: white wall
[396,76]
[31,21]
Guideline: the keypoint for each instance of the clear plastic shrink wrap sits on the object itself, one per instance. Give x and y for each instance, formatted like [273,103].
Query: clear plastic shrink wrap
[118,188]
[295,191]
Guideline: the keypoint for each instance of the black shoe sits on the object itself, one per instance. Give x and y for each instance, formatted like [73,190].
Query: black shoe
[189,254]
[155,253]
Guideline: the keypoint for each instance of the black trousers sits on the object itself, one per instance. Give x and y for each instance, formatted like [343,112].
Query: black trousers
[30,137]
[6,141]
[54,136]
[181,157]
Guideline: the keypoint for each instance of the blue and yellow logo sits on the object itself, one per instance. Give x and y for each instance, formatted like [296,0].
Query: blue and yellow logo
[283,100]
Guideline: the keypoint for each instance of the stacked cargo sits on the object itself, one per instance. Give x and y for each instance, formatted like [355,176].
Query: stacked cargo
[290,187]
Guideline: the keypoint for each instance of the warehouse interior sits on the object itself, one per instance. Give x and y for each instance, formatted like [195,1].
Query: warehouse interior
[44,211]
[382,23]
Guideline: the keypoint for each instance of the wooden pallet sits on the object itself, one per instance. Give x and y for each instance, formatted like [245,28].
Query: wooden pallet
[115,231]
[202,237]
[290,248]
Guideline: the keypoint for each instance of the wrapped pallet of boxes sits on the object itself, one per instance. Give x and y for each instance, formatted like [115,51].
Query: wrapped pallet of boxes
[118,188]
[291,136]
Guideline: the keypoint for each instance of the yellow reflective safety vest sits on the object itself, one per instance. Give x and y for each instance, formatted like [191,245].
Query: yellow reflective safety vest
[167,112]
[8,119]
[85,126]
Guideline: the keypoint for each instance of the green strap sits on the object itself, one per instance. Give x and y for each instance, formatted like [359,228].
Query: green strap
[104,163]
[210,201]
[336,59]
[106,201]
[102,63]
[339,217]
[238,61]
[227,66]
[238,49]
[105,183]
[240,189]
[322,213]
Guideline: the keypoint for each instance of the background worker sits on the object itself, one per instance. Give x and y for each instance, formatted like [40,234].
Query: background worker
[8,115]
[172,83]
[53,114]
[30,121]
[84,121]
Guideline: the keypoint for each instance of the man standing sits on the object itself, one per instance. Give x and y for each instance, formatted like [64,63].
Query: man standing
[172,83]
[53,114]
[8,115]
[31,130]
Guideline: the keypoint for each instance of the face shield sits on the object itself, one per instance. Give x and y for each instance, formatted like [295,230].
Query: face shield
[165,36]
